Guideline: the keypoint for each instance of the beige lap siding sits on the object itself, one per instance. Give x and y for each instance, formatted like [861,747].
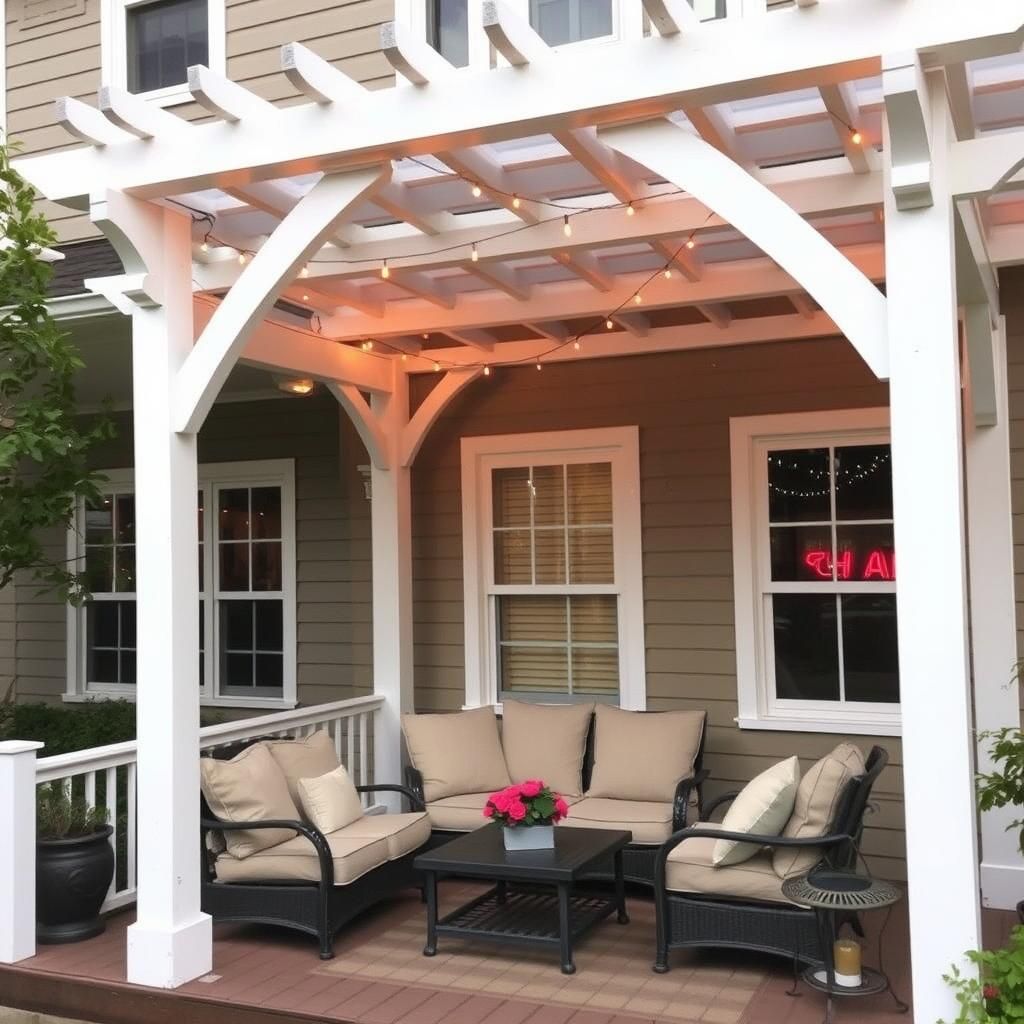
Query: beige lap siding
[1011,285]
[332,546]
[682,403]
[53,50]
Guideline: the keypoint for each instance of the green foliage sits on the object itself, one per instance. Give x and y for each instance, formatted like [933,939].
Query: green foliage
[996,995]
[1004,786]
[44,466]
[60,816]
[66,728]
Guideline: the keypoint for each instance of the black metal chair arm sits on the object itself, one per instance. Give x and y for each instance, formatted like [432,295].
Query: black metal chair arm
[681,801]
[314,835]
[725,798]
[414,780]
[415,801]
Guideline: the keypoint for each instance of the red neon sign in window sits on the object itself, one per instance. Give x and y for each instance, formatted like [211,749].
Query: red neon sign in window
[879,565]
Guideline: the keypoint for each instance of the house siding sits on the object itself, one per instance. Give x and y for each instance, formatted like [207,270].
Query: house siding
[1011,291]
[53,50]
[682,403]
[332,548]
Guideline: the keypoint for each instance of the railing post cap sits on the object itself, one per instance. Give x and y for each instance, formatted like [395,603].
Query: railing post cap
[19,746]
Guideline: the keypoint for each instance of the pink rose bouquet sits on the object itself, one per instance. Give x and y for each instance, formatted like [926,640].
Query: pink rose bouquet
[528,803]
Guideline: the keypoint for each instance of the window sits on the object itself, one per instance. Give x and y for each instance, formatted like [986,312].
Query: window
[553,584]
[448,30]
[815,572]
[571,21]
[246,587]
[149,45]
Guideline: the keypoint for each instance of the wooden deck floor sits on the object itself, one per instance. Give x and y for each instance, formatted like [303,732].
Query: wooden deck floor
[268,976]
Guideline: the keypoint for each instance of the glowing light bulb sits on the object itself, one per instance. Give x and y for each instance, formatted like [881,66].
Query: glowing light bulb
[515,202]
[205,247]
[856,138]
[539,367]
[668,273]
[630,212]
[385,271]
[637,298]
[576,345]
[487,371]
[477,191]
[404,357]
[437,367]
[476,255]
[609,323]
[691,244]
[305,297]
[242,259]
[566,226]
[369,346]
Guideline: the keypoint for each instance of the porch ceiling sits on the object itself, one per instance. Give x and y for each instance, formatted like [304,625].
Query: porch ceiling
[493,244]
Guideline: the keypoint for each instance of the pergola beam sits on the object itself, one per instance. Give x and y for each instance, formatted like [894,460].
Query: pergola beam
[723,61]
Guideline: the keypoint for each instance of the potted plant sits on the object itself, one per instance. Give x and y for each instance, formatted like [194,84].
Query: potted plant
[528,813]
[74,865]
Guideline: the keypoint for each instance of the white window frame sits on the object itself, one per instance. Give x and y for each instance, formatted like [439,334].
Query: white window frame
[114,48]
[212,476]
[750,438]
[619,446]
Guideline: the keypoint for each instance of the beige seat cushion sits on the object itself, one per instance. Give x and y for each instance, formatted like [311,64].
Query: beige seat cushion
[817,798]
[650,823]
[249,787]
[546,742]
[642,755]
[308,758]
[457,753]
[689,869]
[762,808]
[296,861]
[402,832]
[330,802]
[465,812]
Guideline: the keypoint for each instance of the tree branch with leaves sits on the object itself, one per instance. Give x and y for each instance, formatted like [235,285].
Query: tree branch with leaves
[44,444]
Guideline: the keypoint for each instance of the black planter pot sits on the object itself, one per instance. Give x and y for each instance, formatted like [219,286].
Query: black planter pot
[72,879]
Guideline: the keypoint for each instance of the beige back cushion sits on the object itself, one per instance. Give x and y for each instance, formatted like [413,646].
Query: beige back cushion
[249,787]
[762,808]
[816,800]
[458,753]
[330,801]
[546,742]
[642,755]
[307,758]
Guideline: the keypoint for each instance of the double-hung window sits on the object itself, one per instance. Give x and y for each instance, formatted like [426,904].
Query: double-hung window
[246,555]
[149,45]
[815,572]
[553,586]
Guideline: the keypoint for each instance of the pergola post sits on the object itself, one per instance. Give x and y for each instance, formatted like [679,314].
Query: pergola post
[171,941]
[993,609]
[391,526]
[931,578]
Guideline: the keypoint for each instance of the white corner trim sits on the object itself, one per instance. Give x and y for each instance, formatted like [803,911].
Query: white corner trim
[114,49]
[621,447]
[745,434]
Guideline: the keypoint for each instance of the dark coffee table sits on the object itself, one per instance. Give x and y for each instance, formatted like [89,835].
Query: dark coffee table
[535,900]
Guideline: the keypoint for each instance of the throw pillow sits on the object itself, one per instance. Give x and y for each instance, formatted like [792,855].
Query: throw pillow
[456,753]
[762,808]
[249,787]
[308,758]
[642,755]
[330,801]
[547,742]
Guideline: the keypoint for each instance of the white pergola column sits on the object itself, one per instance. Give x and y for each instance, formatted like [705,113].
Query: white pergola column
[171,940]
[938,747]
[391,525]
[993,609]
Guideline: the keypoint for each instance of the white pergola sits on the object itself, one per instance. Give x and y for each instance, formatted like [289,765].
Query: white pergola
[719,183]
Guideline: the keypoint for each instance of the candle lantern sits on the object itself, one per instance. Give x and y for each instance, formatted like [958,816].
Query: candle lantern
[846,957]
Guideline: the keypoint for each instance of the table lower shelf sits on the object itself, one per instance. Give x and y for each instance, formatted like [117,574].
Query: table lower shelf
[525,915]
[872,982]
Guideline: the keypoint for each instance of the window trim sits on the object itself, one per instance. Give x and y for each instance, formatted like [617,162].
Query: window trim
[757,708]
[114,49]
[621,447]
[212,475]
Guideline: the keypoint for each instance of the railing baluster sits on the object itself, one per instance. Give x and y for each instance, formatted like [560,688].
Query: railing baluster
[350,755]
[131,836]
[111,805]
[90,789]
[335,728]
[363,759]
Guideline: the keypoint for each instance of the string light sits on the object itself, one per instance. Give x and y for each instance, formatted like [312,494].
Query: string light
[856,138]
[515,202]
[576,344]
[305,297]
[204,247]
[690,243]
[487,371]
[566,226]
[609,324]
[630,211]
[385,271]
[668,273]
[539,367]
[476,255]
[477,191]
[404,357]
[637,298]
[242,259]
[437,367]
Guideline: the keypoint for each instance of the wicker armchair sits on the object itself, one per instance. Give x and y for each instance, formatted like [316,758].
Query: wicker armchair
[695,919]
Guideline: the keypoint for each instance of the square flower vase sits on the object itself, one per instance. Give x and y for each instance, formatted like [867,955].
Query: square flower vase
[531,837]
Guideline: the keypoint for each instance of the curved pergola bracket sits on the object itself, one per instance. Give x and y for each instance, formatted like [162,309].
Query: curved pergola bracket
[415,431]
[842,291]
[351,399]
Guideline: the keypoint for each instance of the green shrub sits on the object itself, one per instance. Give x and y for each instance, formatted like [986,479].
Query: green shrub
[60,816]
[996,995]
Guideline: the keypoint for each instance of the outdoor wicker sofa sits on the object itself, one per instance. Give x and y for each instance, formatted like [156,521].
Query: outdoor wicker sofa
[640,771]
[307,880]
[741,906]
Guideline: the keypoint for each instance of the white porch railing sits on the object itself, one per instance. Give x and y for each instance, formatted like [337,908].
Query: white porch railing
[106,775]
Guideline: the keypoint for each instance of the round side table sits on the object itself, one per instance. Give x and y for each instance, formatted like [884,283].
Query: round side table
[828,892]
